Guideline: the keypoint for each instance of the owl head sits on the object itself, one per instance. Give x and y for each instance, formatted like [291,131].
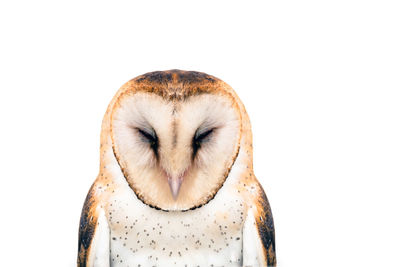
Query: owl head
[175,135]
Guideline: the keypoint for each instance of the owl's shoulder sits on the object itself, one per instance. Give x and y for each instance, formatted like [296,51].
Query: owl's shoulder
[262,215]
[89,222]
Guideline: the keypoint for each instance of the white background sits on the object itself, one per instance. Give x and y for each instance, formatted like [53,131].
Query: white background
[320,80]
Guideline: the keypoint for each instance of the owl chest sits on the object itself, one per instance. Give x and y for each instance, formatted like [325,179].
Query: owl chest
[202,237]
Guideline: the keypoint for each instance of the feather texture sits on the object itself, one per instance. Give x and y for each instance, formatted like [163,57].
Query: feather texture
[221,216]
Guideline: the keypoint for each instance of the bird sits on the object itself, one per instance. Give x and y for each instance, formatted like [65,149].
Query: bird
[176,185]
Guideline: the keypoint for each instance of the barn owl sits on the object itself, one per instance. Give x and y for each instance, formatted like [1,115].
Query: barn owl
[176,184]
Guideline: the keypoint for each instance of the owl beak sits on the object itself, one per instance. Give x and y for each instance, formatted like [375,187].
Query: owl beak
[175,184]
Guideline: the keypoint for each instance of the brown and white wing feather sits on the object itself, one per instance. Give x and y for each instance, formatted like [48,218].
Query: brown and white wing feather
[94,234]
[258,232]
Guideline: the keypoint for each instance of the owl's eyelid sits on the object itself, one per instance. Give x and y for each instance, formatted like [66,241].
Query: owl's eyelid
[200,135]
[151,136]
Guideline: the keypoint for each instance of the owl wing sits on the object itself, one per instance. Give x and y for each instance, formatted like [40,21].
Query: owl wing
[259,233]
[94,234]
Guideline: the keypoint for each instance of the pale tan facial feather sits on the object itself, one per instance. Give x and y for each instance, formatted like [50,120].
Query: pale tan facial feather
[175,124]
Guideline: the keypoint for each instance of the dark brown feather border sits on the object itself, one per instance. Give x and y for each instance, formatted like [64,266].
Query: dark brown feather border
[87,228]
[265,227]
